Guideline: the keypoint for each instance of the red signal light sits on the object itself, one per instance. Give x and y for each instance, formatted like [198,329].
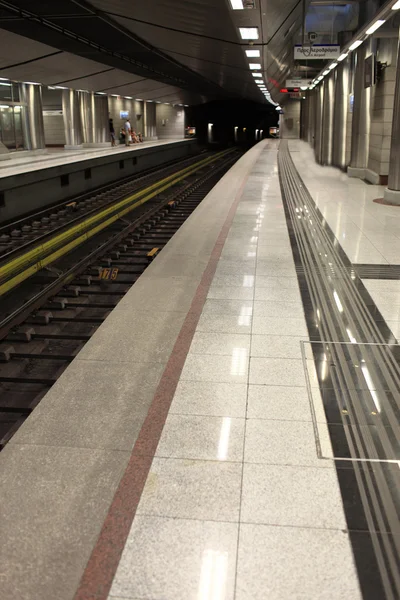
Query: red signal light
[284,91]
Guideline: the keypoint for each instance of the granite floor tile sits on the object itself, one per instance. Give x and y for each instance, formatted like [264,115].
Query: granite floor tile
[321,564]
[192,489]
[219,323]
[271,308]
[129,336]
[277,371]
[246,280]
[275,346]
[220,343]
[203,438]
[160,294]
[279,326]
[278,402]
[53,504]
[282,443]
[276,282]
[178,559]
[225,292]
[214,306]
[315,499]
[225,369]
[277,294]
[209,398]
[92,397]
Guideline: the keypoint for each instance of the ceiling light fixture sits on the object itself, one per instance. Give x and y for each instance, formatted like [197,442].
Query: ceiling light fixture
[6,84]
[249,33]
[254,66]
[332,66]
[252,53]
[257,74]
[343,56]
[31,83]
[326,72]
[375,26]
[237,4]
[355,44]
[396,5]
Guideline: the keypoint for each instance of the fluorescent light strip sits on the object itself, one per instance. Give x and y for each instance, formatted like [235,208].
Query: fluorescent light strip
[248,33]
[343,56]
[356,44]
[396,5]
[257,74]
[252,53]
[375,26]
[332,66]
[254,66]
[326,72]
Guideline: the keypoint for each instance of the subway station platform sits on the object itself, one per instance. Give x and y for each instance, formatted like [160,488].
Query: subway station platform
[199,446]
[27,162]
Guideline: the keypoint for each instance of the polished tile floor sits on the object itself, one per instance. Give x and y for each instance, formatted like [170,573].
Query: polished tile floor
[238,503]
[368,232]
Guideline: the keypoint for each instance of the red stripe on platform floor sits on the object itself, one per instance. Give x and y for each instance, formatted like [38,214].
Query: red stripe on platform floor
[104,560]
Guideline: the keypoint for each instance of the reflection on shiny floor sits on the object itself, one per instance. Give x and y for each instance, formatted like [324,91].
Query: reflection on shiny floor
[366,233]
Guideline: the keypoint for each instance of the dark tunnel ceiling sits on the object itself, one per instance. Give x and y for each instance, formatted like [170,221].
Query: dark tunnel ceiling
[174,50]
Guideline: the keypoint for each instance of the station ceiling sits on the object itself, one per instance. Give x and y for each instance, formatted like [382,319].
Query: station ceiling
[178,51]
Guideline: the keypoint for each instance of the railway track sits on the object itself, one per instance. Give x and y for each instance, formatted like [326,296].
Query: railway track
[15,236]
[49,316]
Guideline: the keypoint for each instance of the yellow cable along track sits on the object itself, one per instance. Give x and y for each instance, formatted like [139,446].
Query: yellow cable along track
[26,265]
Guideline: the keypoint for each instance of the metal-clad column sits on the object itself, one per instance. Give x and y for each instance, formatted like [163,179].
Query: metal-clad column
[340,115]
[318,123]
[150,122]
[310,133]
[72,119]
[327,120]
[94,119]
[392,192]
[32,116]
[361,118]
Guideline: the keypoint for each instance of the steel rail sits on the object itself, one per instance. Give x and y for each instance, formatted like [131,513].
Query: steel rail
[29,263]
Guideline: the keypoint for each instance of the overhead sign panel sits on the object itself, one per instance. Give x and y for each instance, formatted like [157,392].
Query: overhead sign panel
[317,52]
[298,83]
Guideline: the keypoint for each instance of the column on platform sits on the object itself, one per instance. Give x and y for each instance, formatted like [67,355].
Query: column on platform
[361,116]
[392,192]
[327,120]
[72,119]
[94,118]
[340,115]
[32,116]
[150,122]
[318,122]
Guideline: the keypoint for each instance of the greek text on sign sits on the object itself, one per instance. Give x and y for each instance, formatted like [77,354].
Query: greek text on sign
[316,52]
[297,83]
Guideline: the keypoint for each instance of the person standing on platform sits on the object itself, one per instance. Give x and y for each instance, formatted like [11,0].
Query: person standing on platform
[127,128]
[112,132]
